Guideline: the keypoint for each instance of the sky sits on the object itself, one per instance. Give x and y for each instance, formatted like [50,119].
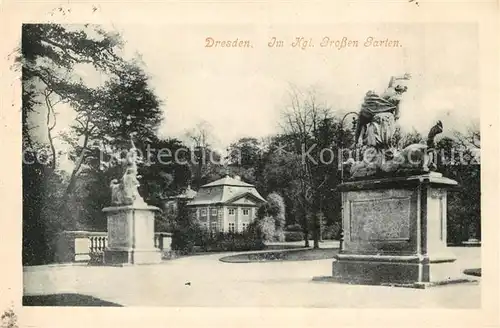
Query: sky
[241,92]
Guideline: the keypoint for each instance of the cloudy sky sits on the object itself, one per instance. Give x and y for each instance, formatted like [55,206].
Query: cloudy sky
[240,92]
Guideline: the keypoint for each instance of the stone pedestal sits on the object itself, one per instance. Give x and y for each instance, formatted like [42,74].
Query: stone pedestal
[131,235]
[395,232]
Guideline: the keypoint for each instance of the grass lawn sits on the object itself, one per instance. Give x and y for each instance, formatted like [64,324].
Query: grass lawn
[307,254]
[473,272]
[64,300]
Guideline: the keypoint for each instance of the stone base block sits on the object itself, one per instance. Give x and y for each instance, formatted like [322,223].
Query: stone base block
[82,258]
[394,232]
[396,270]
[417,285]
[131,256]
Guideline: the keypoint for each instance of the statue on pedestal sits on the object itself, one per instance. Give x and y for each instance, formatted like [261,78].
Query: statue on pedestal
[126,191]
[130,221]
[374,136]
[394,207]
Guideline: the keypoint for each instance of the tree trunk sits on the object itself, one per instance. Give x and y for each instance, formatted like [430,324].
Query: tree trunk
[464,232]
[50,127]
[74,174]
[316,241]
[65,209]
[316,231]
[199,166]
[200,170]
[305,227]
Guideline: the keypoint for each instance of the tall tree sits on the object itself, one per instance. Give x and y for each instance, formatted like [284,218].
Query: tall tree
[105,115]
[207,163]
[302,120]
[458,158]
[278,172]
[167,172]
[48,55]
[246,152]
[245,158]
[126,106]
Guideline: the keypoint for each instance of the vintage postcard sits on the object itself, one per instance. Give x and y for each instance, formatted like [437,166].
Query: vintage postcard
[250,163]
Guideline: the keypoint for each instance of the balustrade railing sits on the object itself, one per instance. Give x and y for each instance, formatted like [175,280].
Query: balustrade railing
[97,244]
[160,240]
[76,246]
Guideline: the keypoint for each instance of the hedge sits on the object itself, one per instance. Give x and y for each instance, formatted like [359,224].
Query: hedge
[224,242]
[294,227]
[294,236]
[184,241]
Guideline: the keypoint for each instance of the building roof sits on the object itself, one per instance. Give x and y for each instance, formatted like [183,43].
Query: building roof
[227,181]
[225,191]
[188,193]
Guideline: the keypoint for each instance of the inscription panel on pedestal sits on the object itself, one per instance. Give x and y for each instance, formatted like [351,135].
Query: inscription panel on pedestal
[380,219]
[118,230]
[144,229]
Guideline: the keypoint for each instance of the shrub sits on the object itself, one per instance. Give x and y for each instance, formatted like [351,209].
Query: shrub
[279,235]
[276,209]
[223,242]
[331,232]
[184,238]
[268,228]
[294,236]
[255,230]
[294,227]
[186,231]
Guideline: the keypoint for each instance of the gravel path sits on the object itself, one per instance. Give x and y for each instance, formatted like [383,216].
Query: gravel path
[206,281]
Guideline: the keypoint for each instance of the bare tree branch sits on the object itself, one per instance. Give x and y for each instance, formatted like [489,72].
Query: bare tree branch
[50,127]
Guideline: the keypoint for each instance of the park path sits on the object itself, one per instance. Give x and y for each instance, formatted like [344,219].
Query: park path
[206,281]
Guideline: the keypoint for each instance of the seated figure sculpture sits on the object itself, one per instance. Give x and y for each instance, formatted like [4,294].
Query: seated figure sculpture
[378,115]
[374,137]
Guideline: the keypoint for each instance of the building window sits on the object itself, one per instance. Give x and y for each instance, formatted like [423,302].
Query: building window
[203,212]
[231,211]
[213,226]
[245,225]
[246,211]
[231,227]
[214,211]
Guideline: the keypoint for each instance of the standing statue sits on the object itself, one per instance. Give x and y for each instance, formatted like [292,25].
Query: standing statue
[126,192]
[378,115]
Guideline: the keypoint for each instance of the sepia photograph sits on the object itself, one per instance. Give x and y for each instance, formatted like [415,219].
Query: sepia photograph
[156,173]
[271,165]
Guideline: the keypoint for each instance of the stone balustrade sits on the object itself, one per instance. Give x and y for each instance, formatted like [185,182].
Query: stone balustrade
[84,246]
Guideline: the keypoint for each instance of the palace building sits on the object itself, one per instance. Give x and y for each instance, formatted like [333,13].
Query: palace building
[226,205]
